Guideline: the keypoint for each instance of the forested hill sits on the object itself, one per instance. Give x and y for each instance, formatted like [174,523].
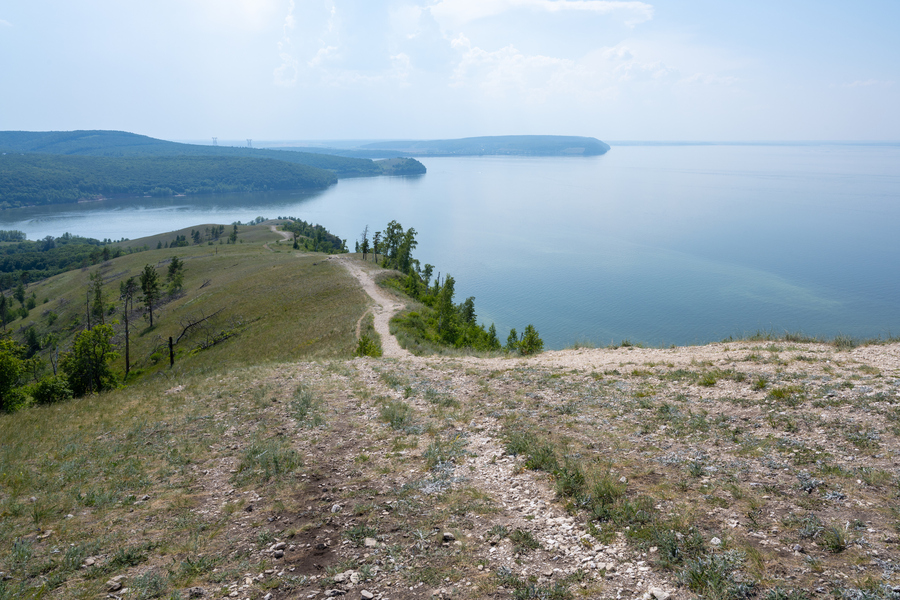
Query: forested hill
[35,179]
[124,144]
[514,145]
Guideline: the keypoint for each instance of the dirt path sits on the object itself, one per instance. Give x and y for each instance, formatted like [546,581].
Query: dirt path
[386,307]
[284,237]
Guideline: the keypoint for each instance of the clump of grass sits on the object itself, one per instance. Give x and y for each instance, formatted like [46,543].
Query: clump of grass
[266,460]
[523,541]
[844,342]
[305,409]
[393,380]
[712,576]
[864,439]
[834,539]
[498,531]
[440,452]
[759,383]
[708,379]
[358,533]
[440,398]
[397,414]
[783,594]
[150,585]
[791,395]
[530,590]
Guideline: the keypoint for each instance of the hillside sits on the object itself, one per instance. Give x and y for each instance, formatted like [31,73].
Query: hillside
[124,144]
[760,468]
[504,145]
[513,145]
[36,179]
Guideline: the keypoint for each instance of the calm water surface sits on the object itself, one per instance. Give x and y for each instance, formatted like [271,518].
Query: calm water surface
[660,245]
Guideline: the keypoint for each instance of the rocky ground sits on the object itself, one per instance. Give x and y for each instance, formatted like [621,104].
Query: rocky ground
[781,457]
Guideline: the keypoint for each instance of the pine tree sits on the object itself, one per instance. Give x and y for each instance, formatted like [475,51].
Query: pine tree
[127,291]
[150,288]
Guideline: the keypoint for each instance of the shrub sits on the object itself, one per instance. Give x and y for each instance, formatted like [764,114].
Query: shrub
[531,342]
[51,389]
[397,413]
[366,346]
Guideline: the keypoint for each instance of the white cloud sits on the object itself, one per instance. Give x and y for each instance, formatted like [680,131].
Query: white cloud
[456,12]
[708,79]
[322,56]
[286,73]
[5,23]
[868,83]
[509,73]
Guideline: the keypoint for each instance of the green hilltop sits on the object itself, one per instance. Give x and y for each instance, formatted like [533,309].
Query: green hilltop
[59,167]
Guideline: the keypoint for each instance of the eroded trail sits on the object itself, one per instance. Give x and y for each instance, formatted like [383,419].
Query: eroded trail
[385,307]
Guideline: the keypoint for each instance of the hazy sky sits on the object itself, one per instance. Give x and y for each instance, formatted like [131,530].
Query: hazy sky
[366,69]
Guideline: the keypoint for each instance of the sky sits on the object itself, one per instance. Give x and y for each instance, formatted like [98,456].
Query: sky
[707,70]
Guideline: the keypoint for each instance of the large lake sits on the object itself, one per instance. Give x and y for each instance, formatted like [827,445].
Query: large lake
[654,244]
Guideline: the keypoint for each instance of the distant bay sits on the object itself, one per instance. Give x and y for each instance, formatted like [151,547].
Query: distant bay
[654,244]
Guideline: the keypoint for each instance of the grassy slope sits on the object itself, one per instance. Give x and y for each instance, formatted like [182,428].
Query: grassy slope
[290,304]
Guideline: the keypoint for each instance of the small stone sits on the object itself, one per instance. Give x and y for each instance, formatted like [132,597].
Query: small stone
[114,584]
[659,593]
[354,577]
[449,537]
[279,546]
[715,542]
[89,561]
[366,595]
[334,593]
[278,553]
[548,573]
[370,542]
[340,578]
[623,479]
[267,597]
[196,592]
[336,508]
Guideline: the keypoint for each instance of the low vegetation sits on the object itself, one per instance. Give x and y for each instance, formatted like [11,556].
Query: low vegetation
[270,460]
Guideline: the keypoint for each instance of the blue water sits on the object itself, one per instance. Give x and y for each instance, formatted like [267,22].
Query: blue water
[655,244]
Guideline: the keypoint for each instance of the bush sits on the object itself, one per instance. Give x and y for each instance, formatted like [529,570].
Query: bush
[531,342]
[51,389]
[366,346]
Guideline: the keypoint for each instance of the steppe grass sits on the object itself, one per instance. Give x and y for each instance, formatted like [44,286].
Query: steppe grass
[268,306]
[90,475]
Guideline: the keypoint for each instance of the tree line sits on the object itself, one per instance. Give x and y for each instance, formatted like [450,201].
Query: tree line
[443,321]
[37,179]
[26,261]
[86,367]
[313,238]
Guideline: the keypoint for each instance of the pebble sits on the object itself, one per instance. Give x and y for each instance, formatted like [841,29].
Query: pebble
[366,595]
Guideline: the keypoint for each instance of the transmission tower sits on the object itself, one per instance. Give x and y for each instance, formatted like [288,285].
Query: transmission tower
[215,141]
[249,143]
